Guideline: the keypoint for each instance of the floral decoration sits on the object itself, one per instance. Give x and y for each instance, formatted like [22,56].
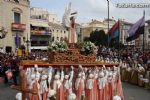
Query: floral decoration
[88,48]
[57,46]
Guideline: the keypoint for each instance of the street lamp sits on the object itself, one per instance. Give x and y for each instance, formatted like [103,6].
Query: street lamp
[108,20]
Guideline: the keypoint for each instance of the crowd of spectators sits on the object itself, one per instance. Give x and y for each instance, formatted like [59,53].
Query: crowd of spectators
[9,61]
[134,63]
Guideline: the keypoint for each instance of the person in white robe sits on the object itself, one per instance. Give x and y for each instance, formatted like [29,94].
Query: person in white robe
[89,92]
[80,86]
[37,74]
[50,73]
[43,87]
[58,85]
[68,83]
[101,85]
[28,74]
[35,86]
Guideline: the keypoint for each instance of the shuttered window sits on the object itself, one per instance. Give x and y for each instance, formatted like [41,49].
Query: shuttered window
[17,18]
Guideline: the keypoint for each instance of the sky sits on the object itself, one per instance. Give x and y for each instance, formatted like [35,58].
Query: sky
[94,9]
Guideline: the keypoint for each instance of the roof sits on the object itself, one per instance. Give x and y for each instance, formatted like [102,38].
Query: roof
[56,26]
[95,22]
[125,22]
[109,19]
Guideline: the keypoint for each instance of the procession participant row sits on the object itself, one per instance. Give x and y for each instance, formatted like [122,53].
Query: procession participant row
[98,83]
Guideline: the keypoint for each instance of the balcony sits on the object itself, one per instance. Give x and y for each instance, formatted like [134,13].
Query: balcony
[18,27]
[40,32]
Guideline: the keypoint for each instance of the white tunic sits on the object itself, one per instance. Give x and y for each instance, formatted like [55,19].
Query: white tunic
[68,82]
[77,82]
[49,75]
[37,76]
[57,83]
[101,83]
[89,84]
[43,86]
[80,79]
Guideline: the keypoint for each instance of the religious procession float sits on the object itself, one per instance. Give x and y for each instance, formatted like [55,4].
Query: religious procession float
[71,72]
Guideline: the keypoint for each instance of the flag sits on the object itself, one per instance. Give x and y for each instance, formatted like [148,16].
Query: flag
[17,40]
[136,30]
[114,31]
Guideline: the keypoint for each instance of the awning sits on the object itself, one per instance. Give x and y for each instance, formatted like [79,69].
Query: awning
[40,24]
[39,47]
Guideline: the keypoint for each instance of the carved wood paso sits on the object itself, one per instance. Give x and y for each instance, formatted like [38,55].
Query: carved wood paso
[71,56]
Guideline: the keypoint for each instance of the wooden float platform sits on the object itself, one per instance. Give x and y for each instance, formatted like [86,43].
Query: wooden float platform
[30,63]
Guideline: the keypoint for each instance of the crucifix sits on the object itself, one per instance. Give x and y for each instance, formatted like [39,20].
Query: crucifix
[23,86]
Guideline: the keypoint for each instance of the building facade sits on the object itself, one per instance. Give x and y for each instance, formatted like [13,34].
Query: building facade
[14,17]
[45,27]
[139,41]
[124,27]
[78,31]
[59,32]
[103,25]
[111,23]
[87,29]
[147,32]
[40,30]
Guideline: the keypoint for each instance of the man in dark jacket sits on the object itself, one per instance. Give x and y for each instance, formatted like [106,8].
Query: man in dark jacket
[5,68]
[15,70]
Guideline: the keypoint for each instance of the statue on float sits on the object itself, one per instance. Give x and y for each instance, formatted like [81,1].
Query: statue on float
[70,24]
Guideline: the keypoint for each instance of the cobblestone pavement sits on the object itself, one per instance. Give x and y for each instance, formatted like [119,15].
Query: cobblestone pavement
[130,91]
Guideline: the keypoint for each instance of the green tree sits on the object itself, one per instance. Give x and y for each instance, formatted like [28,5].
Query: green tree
[99,37]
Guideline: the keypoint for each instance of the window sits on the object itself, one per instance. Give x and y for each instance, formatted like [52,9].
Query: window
[149,31]
[43,43]
[148,36]
[40,17]
[17,18]
[58,38]
[34,43]
[57,30]
[53,39]
[61,39]
[64,31]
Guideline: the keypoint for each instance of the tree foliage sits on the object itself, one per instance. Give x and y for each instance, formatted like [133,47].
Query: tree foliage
[99,37]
